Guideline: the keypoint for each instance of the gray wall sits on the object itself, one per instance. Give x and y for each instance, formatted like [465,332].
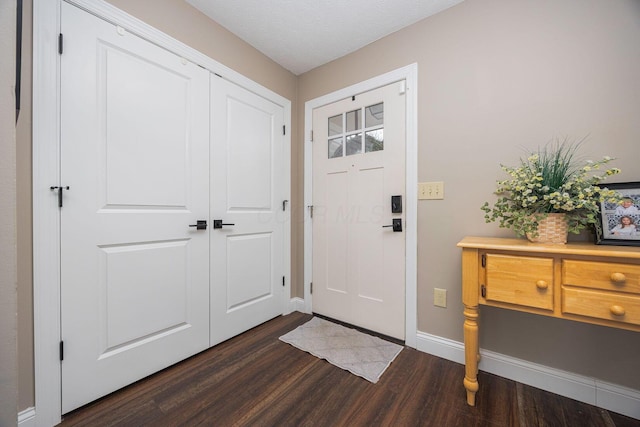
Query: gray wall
[8,251]
[495,77]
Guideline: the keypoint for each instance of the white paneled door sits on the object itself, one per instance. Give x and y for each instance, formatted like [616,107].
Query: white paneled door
[358,229]
[247,209]
[135,156]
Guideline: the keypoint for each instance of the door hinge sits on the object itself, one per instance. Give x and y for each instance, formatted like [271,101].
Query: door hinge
[311,288]
[60,43]
[61,350]
[310,210]
[284,130]
[284,205]
[311,135]
[484,260]
[282,280]
[483,291]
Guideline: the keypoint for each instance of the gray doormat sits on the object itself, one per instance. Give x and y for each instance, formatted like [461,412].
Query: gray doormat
[361,354]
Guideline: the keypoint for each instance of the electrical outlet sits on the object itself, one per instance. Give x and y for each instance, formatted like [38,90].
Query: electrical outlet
[431,190]
[440,297]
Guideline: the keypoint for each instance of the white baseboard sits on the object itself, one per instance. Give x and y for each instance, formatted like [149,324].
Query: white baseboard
[604,395]
[296,304]
[27,418]
[615,398]
[441,347]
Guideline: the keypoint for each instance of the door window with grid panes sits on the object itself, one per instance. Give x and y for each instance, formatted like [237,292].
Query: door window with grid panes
[357,135]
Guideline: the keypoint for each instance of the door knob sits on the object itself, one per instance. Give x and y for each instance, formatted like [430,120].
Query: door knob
[217,223]
[397,225]
[200,225]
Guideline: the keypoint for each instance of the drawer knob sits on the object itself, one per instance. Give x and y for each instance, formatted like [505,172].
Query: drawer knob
[541,284]
[617,310]
[618,277]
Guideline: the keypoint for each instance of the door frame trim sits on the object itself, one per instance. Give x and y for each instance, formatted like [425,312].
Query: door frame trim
[409,74]
[46,172]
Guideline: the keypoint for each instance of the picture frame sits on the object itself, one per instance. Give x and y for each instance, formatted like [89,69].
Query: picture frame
[620,223]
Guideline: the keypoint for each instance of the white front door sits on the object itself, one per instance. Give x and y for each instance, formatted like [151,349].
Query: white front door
[358,165]
[135,155]
[247,198]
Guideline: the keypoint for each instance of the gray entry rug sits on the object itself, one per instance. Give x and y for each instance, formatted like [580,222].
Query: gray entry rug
[361,354]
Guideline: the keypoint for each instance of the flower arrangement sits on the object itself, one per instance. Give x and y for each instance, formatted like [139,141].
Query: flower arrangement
[551,180]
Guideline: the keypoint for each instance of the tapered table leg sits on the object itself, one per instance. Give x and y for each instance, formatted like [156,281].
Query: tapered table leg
[470,299]
[471,353]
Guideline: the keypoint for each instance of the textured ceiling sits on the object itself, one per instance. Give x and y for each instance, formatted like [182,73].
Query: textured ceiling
[303,34]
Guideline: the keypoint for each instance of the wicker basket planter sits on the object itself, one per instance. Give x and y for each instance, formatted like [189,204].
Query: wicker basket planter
[552,229]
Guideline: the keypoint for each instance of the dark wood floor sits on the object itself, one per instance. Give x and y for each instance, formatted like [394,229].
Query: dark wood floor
[257,380]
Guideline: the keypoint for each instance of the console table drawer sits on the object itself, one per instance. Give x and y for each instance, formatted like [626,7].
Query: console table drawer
[521,280]
[615,306]
[601,275]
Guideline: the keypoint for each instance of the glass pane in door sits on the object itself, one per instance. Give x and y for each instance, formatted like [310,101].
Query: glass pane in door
[374,115]
[354,120]
[374,140]
[335,148]
[354,144]
[335,125]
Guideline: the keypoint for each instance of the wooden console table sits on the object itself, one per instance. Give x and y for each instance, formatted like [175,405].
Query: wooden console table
[578,281]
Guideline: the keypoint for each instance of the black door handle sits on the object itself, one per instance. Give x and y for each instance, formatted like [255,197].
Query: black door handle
[397,225]
[201,224]
[217,223]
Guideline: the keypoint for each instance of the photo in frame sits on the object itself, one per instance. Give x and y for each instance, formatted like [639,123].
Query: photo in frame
[620,222]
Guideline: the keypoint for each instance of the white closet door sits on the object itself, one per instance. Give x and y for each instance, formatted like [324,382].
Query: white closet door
[247,191]
[135,155]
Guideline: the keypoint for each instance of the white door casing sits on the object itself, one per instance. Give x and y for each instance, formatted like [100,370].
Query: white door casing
[358,165]
[247,195]
[46,173]
[409,75]
[134,153]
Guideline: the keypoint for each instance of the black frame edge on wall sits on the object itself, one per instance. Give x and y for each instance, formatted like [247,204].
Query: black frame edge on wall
[18,55]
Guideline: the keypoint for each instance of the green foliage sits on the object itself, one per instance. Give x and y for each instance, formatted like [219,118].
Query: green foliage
[552,180]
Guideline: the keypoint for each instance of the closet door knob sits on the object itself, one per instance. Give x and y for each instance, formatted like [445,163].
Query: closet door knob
[217,223]
[200,225]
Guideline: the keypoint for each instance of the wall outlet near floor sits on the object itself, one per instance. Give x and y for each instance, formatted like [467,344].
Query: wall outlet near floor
[431,190]
[440,297]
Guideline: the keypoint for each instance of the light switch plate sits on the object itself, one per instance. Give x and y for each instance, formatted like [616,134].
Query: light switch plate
[431,190]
